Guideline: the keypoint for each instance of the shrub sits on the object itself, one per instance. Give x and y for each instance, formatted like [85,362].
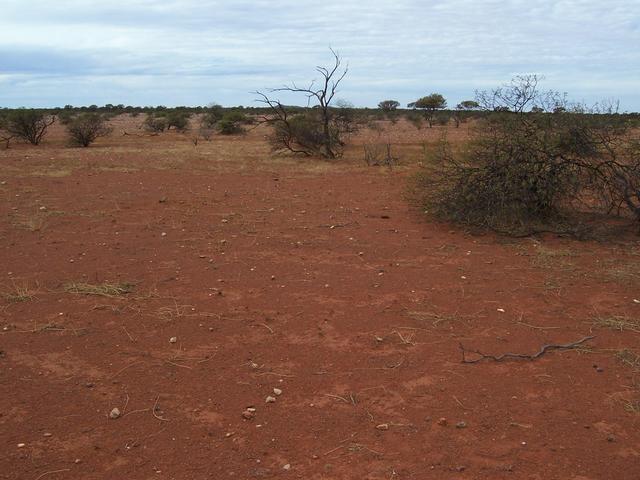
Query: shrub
[212,117]
[29,125]
[86,128]
[155,124]
[178,120]
[304,133]
[5,136]
[524,171]
[292,130]
[232,123]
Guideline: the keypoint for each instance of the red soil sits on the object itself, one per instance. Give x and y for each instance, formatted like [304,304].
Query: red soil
[320,281]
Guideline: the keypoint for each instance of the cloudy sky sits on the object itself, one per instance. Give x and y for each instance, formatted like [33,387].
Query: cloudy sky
[193,52]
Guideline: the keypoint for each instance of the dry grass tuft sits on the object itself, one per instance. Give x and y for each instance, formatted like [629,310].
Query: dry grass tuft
[617,322]
[629,358]
[436,319]
[546,257]
[105,289]
[17,293]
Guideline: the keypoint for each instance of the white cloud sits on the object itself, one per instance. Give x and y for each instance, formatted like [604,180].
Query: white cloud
[188,51]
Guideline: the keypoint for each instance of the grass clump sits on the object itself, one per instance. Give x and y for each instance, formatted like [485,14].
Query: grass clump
[17,293]
[105,289]
[617,322]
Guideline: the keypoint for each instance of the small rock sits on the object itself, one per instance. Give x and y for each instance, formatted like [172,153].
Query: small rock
[382,426]
[115,413]
[21,445]
[461,425]
[286,467]
[501,310]
[442,422]
[77,460]
[46,434]
[277,391]
[163,234]
[173,339]
[248,415]
[270,399]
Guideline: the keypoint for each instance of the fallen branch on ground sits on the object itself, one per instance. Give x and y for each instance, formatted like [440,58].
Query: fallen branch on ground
[544,349]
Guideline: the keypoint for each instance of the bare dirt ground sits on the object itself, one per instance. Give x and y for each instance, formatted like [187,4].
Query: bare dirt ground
[317,279]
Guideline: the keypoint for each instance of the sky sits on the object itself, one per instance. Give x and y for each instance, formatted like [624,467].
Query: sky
[195,52]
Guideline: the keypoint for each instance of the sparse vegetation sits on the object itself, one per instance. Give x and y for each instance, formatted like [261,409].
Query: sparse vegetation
[617,322]
[525,171]
[313,132]
[28,125]
[86,128]
[105,289]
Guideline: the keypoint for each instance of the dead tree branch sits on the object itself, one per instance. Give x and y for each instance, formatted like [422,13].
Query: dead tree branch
[498,358]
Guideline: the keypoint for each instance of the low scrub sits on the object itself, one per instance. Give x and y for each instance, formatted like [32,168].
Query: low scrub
[526,171]
[86,128]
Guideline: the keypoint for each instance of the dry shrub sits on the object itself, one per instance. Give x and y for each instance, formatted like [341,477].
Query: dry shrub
[528,171]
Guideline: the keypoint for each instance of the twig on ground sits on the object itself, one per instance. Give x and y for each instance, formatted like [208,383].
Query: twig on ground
[155,407]
[51,472]
[542,351]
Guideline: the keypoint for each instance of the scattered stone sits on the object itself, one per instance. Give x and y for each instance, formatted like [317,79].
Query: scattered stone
[501,310]
[77,460]
[89,385]
[442,422]
[248,414]
[277,391]
[21,445]
[461,425]
[382,426]
[47,434]
[173,339]
[379,339]
[270,399]
[286,467]
[163,234]
[115,413]
[43,208]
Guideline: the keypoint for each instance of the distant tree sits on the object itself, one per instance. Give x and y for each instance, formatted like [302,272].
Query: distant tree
[86,128]
[430,104]
[521,95]
[29,125]
[468,105]
[388,105]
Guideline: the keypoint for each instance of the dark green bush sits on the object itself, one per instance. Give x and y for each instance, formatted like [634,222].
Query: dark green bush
[86,128]
[232,123]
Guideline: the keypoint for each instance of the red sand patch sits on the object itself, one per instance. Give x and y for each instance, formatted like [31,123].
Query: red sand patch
[320,281]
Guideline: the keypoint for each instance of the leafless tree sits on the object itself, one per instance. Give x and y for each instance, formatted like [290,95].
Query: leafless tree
[521,95]
[289,127]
